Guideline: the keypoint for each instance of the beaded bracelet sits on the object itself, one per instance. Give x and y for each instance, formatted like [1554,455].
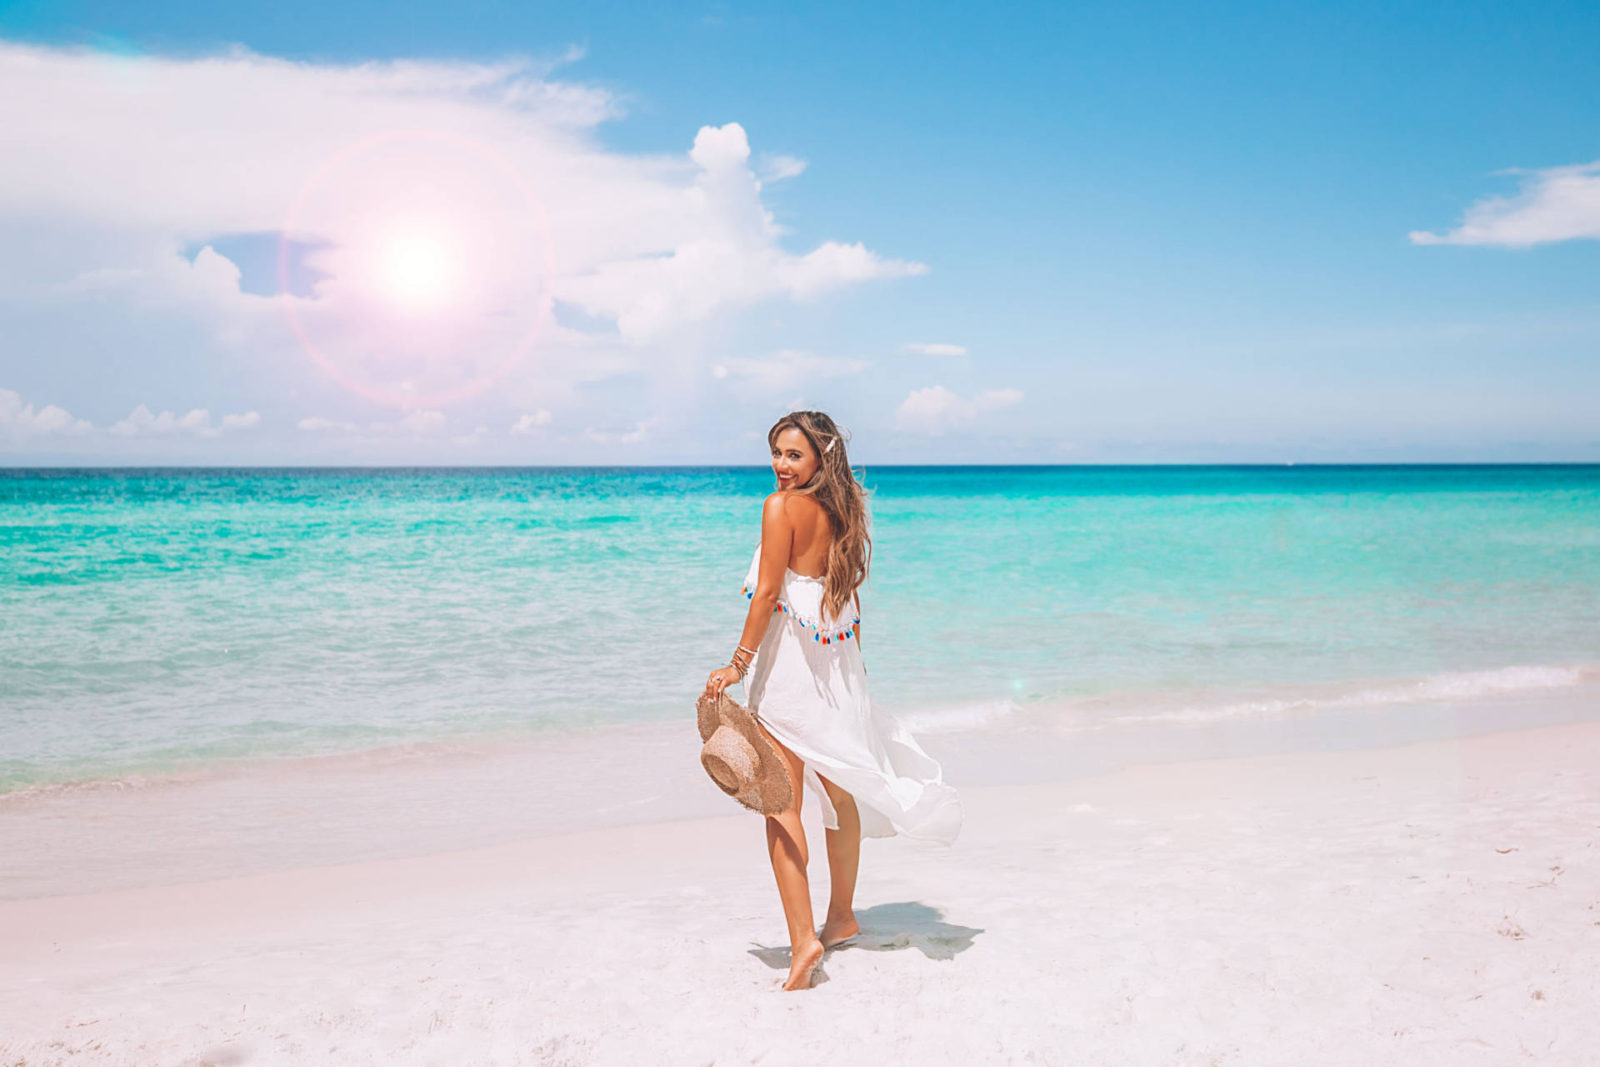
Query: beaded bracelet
[742,668]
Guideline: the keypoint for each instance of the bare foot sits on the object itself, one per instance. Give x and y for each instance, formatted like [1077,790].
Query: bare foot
[836,931]
[802,962]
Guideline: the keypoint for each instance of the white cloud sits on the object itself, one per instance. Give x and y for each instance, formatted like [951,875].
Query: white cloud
[832,265]
[318,424]
[509,181]
[936,349]
[419,423]
[625,437]
[128,226]
[728,255]
[778,167]
[412,424]
[24,420]
[205,287]
[785,370]
[174,143]
[935,410]
[532,421]
[1554,204]
[142,423]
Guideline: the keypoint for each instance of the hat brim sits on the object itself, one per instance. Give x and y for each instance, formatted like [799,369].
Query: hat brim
[768,791]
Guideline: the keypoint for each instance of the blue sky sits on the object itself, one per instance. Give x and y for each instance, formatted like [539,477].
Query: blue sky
[1156,233]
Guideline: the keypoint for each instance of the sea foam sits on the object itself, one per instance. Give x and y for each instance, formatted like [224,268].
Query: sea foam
[1456,685]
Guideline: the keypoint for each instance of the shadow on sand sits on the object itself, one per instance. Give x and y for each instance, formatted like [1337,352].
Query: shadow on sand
[887,927]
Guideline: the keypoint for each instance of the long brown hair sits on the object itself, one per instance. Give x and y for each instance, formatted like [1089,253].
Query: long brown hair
[843,498]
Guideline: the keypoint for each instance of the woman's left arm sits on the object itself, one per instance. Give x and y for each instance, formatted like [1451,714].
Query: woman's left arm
[777,539]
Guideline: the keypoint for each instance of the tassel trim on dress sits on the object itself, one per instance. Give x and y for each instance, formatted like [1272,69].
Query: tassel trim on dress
[826,636]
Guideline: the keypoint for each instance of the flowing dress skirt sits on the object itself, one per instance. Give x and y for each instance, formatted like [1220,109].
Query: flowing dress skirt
[808,687]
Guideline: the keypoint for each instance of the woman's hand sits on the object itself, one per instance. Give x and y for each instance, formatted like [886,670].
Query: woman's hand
[720,679]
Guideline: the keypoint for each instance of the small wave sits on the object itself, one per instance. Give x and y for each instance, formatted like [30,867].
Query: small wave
[19,794]
[958,719]
[1461,685]
[202,768]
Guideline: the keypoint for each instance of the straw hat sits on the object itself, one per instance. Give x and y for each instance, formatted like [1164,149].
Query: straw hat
[739,758]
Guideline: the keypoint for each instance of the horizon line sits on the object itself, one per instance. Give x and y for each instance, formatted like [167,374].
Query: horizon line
[6,467]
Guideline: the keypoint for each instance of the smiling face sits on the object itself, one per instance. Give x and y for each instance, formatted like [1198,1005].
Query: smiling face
[794,461]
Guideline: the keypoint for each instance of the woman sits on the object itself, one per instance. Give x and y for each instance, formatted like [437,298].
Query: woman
[800,657]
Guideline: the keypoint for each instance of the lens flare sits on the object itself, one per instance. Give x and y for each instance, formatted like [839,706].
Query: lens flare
[436,262]
[419,270]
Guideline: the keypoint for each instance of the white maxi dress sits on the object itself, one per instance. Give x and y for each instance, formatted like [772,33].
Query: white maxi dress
[807,686]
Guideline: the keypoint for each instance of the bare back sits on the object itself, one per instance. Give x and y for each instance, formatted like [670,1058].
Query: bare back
[813,535]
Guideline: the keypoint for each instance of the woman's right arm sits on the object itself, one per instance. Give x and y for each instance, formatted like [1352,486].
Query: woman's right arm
[777,538]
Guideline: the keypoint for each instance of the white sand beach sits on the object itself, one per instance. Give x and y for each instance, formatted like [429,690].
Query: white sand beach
[1433,903]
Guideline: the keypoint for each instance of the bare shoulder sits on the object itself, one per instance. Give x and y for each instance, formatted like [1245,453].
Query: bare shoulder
[796,505]
[776,517]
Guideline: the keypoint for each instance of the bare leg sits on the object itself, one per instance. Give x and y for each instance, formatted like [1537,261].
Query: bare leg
[786,846]
[844,860]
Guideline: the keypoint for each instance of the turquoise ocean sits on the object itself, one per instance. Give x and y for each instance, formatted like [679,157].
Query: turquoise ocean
[158,621]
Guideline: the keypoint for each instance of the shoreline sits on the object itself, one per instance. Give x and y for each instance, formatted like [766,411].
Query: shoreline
[1079,714]
[1433,902]
[416,800]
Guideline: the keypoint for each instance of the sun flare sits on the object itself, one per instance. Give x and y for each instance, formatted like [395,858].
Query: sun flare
[419,269]
[440,261]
